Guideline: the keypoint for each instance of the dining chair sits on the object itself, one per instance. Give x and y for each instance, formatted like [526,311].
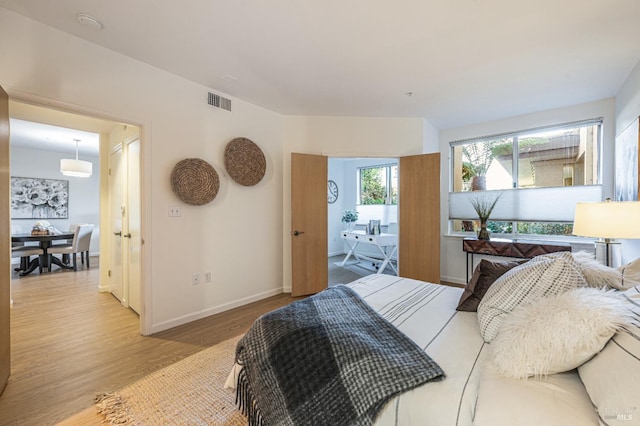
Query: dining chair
[80,244]
[25,253]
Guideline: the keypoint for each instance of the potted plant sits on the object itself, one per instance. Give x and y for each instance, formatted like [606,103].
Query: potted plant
[483,204]
[349,217]
[480,156]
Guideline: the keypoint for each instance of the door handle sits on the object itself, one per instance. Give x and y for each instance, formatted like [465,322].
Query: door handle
[118,234]
[296,233]
[127,235]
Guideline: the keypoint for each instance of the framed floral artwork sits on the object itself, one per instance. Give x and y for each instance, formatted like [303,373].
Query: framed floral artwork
[36,198]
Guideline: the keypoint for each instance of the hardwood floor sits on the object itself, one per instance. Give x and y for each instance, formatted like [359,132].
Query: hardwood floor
[69,343]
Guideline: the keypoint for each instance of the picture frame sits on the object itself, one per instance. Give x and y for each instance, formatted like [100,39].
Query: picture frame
[39,198]
[626,163]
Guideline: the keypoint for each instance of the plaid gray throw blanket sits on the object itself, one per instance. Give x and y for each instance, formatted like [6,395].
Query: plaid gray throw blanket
[329,359]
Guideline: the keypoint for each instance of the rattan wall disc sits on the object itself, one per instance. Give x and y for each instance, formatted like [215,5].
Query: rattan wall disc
[244,161]
[195,181]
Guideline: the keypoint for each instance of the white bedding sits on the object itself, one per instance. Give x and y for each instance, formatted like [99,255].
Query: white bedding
[472,393]
[427,314]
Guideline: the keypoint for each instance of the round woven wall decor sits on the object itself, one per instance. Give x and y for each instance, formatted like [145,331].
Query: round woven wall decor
[244,161]
[195,181]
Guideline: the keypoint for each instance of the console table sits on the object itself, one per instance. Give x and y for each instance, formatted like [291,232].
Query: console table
[508,248]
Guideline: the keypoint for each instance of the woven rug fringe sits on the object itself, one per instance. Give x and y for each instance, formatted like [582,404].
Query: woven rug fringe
[113,407]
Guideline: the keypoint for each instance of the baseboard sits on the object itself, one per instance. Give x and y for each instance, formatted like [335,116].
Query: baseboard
[453,280]
[165,325]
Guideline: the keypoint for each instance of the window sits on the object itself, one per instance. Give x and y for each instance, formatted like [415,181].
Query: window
[378,184]
[541,174]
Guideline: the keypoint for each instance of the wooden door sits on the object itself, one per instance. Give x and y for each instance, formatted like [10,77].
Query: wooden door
[116,286]
[309,247]
[5,243]
[419,217]
[134,228]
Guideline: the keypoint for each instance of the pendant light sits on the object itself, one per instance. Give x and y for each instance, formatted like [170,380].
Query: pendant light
[76,168]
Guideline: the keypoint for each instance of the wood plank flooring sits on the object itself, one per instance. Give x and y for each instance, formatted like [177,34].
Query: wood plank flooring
[69,343]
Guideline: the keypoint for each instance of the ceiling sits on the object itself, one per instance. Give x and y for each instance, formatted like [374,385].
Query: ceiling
[27,134]
[453,62]
[37,127]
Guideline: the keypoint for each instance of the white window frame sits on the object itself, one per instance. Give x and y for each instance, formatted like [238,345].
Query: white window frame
[526,204]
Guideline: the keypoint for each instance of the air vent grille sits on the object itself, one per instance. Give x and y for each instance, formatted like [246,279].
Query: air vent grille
[219,101]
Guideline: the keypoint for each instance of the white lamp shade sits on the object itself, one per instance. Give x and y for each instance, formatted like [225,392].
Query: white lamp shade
[608,219]
[76,168]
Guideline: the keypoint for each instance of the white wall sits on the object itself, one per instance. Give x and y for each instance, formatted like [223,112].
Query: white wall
[237,237]
[452,257]
[627,110]
[84,193]
[334,210]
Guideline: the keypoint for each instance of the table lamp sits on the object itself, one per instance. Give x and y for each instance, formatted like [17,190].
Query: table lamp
[607,220]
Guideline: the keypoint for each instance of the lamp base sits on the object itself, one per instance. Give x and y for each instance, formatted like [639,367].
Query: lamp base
[609,252]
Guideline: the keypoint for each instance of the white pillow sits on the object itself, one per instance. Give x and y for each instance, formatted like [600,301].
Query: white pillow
[596,273]
[544,275]
[558,333]
[612,377]
[630,274]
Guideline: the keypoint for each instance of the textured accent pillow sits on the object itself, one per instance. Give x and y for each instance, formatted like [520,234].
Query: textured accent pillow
[612,377]
[557,333]
[597,275]
[485,274]
[630,274]
[542,276]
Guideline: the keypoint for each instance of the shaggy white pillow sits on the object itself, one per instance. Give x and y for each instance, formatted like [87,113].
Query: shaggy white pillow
[558,333]
[597,274]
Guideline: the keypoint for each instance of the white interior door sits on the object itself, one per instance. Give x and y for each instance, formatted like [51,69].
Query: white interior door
[134,217]
[116,285]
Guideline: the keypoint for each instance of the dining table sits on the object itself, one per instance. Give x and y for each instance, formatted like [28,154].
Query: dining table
[44,242]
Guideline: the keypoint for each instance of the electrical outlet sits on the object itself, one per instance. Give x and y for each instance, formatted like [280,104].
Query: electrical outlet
[195,279]
[207,277]
[174,211]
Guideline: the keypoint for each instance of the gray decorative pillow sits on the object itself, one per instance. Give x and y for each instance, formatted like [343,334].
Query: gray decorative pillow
[542,276]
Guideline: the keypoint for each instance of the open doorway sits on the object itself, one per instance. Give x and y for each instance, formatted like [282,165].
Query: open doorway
[367,187]
[40,138]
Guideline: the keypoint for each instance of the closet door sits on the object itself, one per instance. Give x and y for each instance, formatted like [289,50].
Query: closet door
[419,217]
[116,216]
[134,228]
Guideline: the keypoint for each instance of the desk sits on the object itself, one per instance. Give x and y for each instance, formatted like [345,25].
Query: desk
[44,242]
[381,241]
[508,248]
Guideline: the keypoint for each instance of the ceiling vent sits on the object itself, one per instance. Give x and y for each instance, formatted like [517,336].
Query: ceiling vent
[219,101]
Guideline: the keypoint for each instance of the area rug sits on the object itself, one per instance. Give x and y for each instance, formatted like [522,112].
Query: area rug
[189,392]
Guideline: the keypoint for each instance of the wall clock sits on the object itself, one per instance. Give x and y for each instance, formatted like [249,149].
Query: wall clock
[332,192]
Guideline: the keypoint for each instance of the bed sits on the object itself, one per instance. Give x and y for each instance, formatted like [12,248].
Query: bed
[476,391]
